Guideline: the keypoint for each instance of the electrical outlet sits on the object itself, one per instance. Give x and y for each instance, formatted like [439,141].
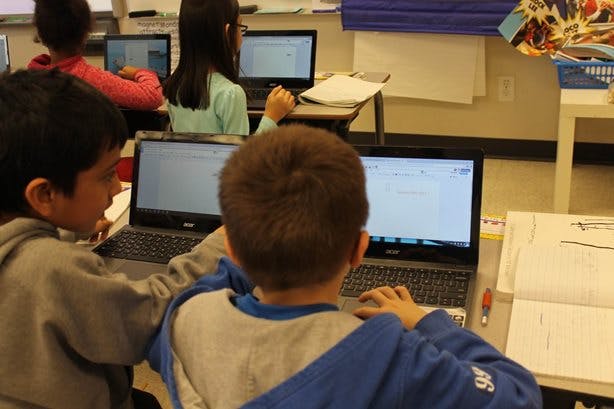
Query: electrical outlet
[506,89]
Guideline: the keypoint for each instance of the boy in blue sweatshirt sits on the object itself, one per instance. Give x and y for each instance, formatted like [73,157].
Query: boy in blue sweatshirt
[269,334]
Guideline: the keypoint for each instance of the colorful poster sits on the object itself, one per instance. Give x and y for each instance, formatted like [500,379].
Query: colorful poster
[537,27]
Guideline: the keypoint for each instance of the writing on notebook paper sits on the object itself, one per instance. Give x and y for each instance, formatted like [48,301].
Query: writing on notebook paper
[597,224]
[562,321]
[525,228]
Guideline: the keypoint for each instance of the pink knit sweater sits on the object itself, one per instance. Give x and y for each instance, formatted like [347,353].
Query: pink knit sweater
[144,93]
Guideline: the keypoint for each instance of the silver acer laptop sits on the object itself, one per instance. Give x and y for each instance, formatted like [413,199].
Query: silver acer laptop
[424,226]
[174,200]
[276,57]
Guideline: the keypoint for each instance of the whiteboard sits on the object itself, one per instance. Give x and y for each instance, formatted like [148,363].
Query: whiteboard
[15,7]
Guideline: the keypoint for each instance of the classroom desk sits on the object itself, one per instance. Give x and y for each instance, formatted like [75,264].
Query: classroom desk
[336,119]
[574,103]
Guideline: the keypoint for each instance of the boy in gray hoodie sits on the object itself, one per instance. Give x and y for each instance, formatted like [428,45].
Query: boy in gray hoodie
[70,328]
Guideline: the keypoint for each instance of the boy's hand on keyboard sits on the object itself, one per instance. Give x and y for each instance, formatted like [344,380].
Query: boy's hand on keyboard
[279,103]
[395,300]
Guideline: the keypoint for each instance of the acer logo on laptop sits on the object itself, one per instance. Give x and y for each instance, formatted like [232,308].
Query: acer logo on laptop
[392,251]
[189,225]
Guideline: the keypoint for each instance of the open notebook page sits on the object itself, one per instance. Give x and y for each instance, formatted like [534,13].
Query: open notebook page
[565,274]
[567,341]
[562,321]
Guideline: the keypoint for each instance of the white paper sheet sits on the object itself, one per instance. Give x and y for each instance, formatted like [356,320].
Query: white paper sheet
[440,67]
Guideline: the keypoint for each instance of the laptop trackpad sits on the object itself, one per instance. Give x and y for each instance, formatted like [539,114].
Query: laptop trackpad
[350,304]
[134,270]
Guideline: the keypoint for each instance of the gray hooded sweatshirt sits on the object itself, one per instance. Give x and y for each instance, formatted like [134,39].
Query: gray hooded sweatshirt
[69,328]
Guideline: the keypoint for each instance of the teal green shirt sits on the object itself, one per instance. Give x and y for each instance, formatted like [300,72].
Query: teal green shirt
[226,114]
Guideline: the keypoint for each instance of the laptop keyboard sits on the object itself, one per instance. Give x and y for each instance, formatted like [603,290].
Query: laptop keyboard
[427,286]
[262,93]
[146,246]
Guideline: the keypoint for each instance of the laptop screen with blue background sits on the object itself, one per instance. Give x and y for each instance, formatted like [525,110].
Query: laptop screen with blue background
[151,51]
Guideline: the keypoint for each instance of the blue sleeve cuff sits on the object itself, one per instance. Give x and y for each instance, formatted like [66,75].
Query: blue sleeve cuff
[266,124]
[435,324]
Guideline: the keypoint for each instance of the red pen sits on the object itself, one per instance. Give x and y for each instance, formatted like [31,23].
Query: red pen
[486,304]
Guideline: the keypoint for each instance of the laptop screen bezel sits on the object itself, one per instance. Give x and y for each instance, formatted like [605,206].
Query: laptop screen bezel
[8,54]
[264,82]
[139,37]
[465,256]
[194,222]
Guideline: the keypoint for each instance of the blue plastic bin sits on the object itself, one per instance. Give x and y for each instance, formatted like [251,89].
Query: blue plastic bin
[586,74]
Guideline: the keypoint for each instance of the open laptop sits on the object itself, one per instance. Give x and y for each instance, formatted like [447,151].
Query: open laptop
[424,226]
[174,200]
[276,57]
[5,62]
[151,51]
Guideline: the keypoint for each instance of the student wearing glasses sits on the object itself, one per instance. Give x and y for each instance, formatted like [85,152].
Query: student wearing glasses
[203,93]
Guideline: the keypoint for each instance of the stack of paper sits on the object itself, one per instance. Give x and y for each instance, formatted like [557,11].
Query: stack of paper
[341,91]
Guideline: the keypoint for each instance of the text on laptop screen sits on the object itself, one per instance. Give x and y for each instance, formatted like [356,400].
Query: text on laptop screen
[276,57]
[144,53]
[180,177]
[4,54]
[421,201]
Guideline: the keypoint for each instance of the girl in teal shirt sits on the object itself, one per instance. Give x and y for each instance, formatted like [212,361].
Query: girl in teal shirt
[203,92]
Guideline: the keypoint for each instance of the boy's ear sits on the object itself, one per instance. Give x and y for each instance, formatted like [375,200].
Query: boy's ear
[40,195]
[359,250]
[230,252]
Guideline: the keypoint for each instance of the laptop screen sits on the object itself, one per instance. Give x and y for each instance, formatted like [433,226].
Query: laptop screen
[175,182]
[423,202]
[282,56]
[416,200]
[5,63]
[151,51]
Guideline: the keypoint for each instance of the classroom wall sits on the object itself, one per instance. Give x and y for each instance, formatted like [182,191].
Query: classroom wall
[532,116]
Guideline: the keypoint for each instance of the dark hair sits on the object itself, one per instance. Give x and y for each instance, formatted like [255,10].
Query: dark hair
[205,47]
[52,125]
[62,24]
[294,202]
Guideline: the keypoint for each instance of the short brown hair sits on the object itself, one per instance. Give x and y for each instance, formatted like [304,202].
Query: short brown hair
[294,202]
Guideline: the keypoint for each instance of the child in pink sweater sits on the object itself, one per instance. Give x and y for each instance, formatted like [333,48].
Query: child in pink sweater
[63,27]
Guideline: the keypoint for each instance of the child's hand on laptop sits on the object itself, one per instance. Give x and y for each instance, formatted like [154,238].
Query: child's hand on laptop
[279,103]
[395,300]
[128,72]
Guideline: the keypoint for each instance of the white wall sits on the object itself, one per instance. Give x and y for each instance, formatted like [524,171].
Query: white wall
[533,114]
